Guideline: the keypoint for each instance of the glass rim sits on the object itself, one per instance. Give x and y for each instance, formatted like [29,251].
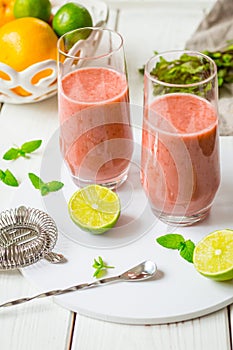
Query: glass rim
[191,52]
[96,29]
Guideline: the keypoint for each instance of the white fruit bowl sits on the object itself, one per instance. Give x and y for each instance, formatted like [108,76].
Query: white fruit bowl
[45,87]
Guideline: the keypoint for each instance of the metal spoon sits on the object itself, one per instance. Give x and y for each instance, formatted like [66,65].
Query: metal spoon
[146,270]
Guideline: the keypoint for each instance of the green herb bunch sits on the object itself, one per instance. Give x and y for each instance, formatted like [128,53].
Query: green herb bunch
[185,70]
[188,68]
[224,62]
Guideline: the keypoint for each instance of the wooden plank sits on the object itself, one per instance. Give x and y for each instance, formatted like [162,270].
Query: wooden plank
[230,315]
[31,121]
[36,325]
[210,332]
[40,324]
[206,4]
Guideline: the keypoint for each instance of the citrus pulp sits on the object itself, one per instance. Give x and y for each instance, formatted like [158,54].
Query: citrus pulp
[213,255]
[94,208]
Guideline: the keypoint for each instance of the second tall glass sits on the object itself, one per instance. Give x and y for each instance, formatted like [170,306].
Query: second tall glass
[180,154]
[93,101]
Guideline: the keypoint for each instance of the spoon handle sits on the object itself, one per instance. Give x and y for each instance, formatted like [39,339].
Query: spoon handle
[56,292]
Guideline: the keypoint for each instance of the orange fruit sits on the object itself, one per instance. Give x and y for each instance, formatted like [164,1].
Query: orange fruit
[24,42]
[6,11]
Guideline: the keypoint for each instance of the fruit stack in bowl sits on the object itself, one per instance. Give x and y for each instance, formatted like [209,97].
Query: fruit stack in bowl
[29,30]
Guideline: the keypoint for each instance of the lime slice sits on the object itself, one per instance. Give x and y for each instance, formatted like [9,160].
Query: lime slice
[213,255]
[94,208]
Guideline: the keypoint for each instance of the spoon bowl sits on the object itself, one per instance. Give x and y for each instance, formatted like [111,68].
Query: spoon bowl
[145,270]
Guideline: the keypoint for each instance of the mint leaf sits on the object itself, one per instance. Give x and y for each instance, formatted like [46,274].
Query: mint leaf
[2,174]
[27,147]
[31,146]
[176,241]
[100,267]
[54,186]
[11,154]
[44,190]
[171,241]
[35,180]
[187,250]
[23,154]
[44,187]
[9,179]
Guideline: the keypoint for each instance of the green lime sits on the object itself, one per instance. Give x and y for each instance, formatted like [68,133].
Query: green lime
[71,16]
[213,255]
[33,8]
[74,36]
[94,208]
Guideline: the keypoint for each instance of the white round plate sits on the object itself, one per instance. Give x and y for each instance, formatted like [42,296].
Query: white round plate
[177,293]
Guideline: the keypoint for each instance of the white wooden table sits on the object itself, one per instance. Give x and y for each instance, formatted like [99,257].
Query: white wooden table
[146,26]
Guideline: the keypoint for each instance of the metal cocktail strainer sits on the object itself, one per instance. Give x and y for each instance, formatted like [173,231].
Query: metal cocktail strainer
[26,236]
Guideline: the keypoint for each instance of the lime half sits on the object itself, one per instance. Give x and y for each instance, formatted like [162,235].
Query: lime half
[213,255]
[94,208]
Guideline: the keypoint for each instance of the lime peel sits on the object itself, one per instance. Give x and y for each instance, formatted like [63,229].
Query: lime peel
[213,255]
[71,16]
[33,8]
[94,208]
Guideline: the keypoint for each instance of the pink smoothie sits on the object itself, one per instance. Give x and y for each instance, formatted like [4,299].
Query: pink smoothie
[96,137]
[180,167]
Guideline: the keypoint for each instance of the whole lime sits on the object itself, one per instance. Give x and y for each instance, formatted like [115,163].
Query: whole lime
[71,16]
[33,8]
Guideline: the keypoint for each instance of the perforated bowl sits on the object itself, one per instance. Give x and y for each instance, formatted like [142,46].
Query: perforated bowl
[46,87]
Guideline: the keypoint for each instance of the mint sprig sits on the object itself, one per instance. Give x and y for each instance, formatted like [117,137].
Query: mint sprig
[23,151]
[8,178]
[178,242]
[44,187]
[100,267]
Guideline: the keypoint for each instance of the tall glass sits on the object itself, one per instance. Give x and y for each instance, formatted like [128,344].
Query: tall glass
[180,143]
[93,103]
